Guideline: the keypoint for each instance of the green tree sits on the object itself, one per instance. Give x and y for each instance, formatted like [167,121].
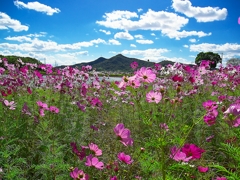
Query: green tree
[213,57]
[234,61]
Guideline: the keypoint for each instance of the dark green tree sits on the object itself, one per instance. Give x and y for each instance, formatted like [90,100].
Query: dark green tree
[213,57]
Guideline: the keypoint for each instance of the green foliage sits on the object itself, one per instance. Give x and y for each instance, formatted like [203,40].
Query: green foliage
[213,57]
[13,60]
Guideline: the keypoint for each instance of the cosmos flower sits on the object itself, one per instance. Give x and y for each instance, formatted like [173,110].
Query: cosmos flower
[125,158]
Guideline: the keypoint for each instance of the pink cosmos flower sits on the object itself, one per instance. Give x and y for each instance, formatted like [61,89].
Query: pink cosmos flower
[123,134]
[95,149]
[202,169]
[164,126]
[233,114]
[177,155]
[54,109]
[146,75]
[134,65]
[192,150]
[11,105]
[153,97]
[113,178]
[93,161]
[177,78]
[42,105]
[78,174]
[125,158]
[221,178]
[210,117]
[209,105]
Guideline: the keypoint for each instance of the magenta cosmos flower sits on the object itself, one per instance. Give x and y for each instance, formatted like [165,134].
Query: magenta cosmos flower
[146,75]
[93,161]
[134,65]
[78,174]
[153,96]
[202,169]
[192,150]
[123,134]
[125,158]
[178,155]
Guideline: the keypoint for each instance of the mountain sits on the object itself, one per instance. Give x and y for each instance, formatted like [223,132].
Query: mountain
[118,63]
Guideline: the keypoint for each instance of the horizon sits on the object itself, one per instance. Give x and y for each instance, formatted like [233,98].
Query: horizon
[73,32]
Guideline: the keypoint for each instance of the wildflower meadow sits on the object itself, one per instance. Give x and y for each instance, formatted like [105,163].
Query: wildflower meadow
[159,123]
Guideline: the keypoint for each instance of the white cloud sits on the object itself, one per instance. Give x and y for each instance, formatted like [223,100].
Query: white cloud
[139,10]
[114,42]
[133,45]
[139,36]
[192,40]
[6,22]
[151,54]
[152,34]
[168,23]
[186,46]
[151,20]
[37,7]
[36,45]
[104,31]
[19,38]
[182,34]
[123,35]
[201,14]
[144,41]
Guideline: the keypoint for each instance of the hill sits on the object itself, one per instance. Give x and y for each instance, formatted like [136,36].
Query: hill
[118,63]
[13,59]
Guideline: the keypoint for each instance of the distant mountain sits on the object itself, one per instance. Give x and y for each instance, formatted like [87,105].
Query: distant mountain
[118,63]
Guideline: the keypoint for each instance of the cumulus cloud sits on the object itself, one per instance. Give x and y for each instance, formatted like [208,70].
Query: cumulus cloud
[19,38]
[153,55]
[144,41]
[192,40]
[139,10]
[114,42]
[37,7]
[186,46]
[170,24]
[6,22]
[183,34]
[123,35]
[151,20]
[37,45]
[139,36]
[152,34]
[201,14]
[104,31]
[133,45]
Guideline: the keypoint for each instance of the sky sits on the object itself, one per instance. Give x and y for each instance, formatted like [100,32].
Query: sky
[61,32]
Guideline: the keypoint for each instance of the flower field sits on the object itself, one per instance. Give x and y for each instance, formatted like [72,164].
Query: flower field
[174,123]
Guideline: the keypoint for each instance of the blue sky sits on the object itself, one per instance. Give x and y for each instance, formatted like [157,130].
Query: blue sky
[75,31]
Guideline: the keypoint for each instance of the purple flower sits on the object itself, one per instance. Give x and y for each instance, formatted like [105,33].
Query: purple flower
[202,169]
[78,174]
[123,134]
[178,155]
[134,65]
[93,161]
[125,158]
[153,97]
